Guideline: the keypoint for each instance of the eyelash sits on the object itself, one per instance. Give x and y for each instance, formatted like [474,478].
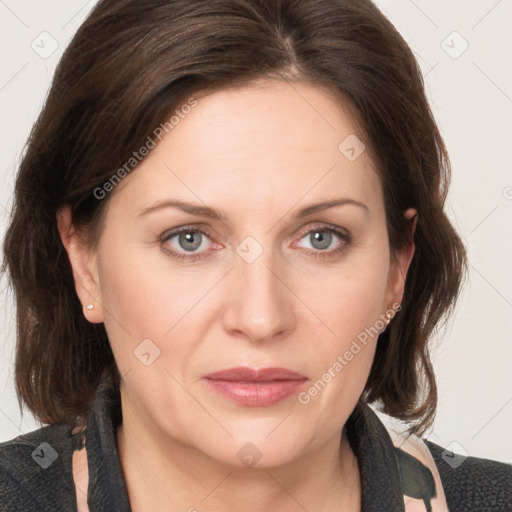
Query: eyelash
[191,257]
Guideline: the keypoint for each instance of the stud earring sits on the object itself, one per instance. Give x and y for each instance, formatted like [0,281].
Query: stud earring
[90,306]
[389,316]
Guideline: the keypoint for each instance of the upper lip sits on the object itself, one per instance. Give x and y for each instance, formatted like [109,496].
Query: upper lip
[246,374]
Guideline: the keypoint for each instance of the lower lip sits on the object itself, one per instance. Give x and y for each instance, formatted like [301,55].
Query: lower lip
[256,394]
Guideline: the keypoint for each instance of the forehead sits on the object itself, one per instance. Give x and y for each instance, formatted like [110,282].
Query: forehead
[263,145]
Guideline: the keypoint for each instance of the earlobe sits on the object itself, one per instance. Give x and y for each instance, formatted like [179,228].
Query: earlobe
[83,264]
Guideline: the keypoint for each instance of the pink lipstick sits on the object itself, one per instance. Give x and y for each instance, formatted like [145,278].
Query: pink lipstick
[255,388]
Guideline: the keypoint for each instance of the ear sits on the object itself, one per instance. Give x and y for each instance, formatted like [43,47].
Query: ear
[83,264]
[402,261]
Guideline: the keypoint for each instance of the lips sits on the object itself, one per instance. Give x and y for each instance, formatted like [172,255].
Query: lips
[244,374]
[255,388]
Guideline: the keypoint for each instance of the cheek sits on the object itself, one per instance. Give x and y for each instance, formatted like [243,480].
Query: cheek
[143,301]
[133,303]
[131,295]
[141,293]
[349,298]
[349,303]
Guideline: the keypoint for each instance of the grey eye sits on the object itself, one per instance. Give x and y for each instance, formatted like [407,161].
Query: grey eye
[320,239]
[190,240]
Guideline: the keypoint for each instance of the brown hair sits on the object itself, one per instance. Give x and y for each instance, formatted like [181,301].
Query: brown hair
[133,62]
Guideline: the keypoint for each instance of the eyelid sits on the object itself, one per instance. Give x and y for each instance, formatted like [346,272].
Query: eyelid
[324,226]
[170,233]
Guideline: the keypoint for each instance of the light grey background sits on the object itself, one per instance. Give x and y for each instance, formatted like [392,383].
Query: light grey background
[471,94]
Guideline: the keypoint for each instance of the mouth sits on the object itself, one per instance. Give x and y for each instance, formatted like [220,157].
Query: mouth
[255,388]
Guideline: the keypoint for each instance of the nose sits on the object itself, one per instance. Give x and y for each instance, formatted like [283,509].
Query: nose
[260,306]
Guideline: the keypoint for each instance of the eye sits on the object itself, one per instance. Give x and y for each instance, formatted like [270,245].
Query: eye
[185,243]
[325,241]
[191,243]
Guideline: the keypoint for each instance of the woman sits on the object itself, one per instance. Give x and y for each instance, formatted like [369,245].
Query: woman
[229,239]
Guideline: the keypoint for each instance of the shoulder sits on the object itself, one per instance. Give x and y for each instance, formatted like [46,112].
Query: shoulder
[473,483]
[35,471]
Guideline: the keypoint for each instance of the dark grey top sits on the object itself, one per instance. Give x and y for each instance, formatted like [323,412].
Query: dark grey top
[35,468]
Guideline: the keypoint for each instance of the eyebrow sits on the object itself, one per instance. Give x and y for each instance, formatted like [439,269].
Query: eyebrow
[206,211]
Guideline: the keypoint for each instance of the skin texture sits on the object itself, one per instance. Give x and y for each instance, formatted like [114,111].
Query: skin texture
[259,153]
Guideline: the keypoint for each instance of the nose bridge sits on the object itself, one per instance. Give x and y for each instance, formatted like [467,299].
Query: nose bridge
[260,305]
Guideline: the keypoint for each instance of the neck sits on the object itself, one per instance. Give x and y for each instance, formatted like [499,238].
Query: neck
[162,473]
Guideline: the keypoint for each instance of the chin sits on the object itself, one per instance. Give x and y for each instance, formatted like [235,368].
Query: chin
[260,444]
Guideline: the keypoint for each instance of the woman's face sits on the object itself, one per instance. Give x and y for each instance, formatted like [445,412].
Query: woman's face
[256,279]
